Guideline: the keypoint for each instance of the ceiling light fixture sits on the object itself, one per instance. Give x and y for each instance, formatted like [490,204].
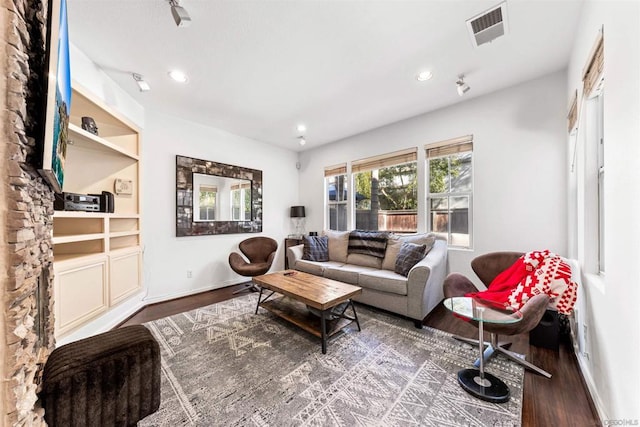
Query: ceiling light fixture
[141,82]
[424,76]
[302,140]
[180,14]
[462,86]
[178,76]
[302,128]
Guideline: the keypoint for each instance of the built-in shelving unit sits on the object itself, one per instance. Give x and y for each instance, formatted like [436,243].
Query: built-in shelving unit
[97,256]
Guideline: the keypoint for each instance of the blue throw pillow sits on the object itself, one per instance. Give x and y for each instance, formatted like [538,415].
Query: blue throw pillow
[316,248]
[409,255]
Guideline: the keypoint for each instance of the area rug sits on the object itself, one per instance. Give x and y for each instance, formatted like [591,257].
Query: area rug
[223,365]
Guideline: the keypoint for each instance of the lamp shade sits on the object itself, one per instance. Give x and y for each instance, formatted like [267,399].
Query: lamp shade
[297,212]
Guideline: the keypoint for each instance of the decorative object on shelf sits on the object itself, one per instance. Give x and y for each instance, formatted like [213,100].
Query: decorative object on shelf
[123,186]
[187,191]
[54,134]
[89,125]
[297,216]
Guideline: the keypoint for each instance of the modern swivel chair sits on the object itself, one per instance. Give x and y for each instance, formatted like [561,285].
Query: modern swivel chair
[260,251]
[487,267]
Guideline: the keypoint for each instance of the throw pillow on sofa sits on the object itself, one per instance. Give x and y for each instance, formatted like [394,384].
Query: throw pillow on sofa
[316,248]
[410,254]
[372,243]
[338,243]
[395,242]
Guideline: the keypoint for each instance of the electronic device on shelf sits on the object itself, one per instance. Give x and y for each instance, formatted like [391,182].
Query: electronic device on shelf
[106,201]
[84,202]
[76,202]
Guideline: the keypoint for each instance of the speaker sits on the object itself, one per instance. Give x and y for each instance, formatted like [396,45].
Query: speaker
[547,333]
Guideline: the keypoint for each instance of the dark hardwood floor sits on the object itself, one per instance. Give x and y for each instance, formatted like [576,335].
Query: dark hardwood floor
[562,400]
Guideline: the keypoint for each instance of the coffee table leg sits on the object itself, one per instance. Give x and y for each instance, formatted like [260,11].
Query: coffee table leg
[323,331]
[259,298]
[355,315]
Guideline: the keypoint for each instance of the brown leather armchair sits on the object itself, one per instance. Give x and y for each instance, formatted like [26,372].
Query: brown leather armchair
[487,267]
[260,251]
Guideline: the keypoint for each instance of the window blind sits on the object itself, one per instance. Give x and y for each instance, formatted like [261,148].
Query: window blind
[592,73]
[335,170]
[239,186]
[449,146]
[385,160]
[572,117]
[208,189]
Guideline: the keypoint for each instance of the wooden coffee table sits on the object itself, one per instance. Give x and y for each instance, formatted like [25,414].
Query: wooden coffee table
[304,290]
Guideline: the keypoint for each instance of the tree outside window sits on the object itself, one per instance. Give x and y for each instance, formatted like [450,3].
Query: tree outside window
[450,196]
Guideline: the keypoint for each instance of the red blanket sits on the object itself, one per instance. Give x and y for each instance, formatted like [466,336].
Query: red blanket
[532,274]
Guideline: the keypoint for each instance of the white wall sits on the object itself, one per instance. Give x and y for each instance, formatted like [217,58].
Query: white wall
[609,356]
[167,257]
[88,74]
[519,165]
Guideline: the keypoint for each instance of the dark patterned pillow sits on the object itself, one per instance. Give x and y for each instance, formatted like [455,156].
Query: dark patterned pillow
[316,248]
[409,255]
[373,243]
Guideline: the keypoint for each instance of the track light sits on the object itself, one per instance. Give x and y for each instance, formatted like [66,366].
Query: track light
[462,86]
[180,14]
[142,83]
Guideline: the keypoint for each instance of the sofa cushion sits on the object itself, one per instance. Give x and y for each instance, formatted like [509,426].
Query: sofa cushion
[315,248]
[338,244]
[347,273]
[373,243]
[384,281]
[410,254]
[395,241]
[364,260]
[315,268]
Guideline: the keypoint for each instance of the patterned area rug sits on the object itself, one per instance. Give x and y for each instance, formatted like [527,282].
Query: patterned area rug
[223,365]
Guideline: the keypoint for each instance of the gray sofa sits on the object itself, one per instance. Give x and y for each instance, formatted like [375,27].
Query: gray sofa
[413,296]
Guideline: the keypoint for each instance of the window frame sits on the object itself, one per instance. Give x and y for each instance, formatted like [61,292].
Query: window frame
[447,149]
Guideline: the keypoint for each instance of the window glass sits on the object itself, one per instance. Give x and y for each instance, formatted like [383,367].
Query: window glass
[336,187]
[207,208]
[386,198]
[449,204]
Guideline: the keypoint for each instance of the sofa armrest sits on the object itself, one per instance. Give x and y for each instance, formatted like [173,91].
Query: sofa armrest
[294,253]
[425,281]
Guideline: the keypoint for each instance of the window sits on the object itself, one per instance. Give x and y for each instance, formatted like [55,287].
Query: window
[593,92]
[336,192]
[449,199]
[386,192]
[241,202]
[207,207]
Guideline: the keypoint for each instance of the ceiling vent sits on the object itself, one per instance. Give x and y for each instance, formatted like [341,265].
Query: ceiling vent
[489,25]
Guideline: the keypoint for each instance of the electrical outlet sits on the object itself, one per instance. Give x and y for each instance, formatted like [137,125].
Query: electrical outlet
[189,274]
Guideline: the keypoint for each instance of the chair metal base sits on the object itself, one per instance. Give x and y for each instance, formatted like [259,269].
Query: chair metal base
[251,287]
[494,346]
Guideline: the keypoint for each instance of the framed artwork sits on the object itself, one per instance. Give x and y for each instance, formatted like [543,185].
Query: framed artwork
[58,96]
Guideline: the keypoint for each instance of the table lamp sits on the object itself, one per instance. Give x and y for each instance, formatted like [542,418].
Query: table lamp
[297,216]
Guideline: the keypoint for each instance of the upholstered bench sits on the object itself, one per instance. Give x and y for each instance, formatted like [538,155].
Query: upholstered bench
[110,379]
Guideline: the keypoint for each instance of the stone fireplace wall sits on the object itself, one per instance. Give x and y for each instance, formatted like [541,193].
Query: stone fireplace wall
[26,209]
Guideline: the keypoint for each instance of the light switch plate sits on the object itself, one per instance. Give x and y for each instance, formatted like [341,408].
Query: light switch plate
[123,186]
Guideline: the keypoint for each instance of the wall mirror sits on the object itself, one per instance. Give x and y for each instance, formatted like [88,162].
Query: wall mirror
[216,198]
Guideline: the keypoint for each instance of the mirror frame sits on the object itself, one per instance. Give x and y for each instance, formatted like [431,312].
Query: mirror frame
[185,226]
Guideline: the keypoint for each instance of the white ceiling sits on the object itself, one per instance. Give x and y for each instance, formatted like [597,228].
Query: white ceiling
[257,68]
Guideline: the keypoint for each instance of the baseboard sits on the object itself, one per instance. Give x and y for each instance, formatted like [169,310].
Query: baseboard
[167,297]
[591,386]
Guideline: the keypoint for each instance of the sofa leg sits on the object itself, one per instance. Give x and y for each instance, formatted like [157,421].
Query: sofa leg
[417,323]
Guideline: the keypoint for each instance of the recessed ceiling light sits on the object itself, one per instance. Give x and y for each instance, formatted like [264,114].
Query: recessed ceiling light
[302,128]
[424,76]
[178,76]
[302,140]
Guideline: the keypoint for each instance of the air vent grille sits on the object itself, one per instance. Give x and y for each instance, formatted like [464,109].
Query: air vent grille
[488,20]
[488,25]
